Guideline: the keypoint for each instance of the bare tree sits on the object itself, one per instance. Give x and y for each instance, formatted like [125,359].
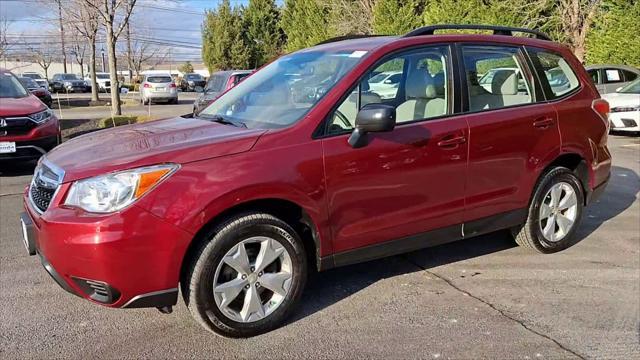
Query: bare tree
[41,54]
[4,43]
[79,49]
[114,14]
[355,16]
[576,18]
[84,19]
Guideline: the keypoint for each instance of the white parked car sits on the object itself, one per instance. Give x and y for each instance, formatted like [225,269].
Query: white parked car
[158,88]
[625,108]
[103,79]
[385,84]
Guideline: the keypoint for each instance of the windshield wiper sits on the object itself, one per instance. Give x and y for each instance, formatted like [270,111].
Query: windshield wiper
[222,120]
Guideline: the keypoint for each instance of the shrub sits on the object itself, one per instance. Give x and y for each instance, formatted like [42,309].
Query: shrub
[117,121]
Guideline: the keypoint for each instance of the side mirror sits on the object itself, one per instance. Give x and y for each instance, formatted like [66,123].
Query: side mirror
[372,118]
[199,89]
[388,81]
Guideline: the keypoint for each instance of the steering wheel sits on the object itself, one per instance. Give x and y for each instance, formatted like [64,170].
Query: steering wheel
[343,118]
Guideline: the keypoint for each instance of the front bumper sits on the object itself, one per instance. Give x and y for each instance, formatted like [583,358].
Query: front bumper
[625,121]
[128,259]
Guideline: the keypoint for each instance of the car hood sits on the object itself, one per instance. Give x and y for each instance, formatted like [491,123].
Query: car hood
[175,140]
[20,106]
[620,99]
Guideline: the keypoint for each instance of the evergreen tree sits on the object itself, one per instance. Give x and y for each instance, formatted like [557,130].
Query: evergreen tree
[305,23]
[224,43]
[396,17]
[263,33]
[616,35]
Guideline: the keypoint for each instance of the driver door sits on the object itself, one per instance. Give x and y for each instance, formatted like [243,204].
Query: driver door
[405,182]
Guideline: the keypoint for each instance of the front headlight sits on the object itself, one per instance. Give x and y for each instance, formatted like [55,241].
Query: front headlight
[41,116]
[113,192]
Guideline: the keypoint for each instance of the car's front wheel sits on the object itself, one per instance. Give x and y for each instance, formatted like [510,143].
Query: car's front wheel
[554,213]
[247,277]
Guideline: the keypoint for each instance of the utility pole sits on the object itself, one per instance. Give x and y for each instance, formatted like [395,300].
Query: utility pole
[64,52]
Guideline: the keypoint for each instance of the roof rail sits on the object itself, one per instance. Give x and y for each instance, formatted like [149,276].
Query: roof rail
[346,37]
[497,30]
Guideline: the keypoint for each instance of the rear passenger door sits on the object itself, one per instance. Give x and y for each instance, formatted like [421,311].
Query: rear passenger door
[512,133]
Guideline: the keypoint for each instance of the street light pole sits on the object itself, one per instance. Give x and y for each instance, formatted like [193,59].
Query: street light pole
[102,51]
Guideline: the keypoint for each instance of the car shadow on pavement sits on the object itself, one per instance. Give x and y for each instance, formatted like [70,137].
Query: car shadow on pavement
[328,288]
[621,192]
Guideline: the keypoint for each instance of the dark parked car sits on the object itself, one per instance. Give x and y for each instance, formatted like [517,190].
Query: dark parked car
[28,128]
[191,81]
[41,81]
[218,83]
[42,93]
[68,83]
[279,176]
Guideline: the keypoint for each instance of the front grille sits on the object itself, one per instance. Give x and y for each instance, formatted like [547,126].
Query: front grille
[41,197]
[18,125]
[107,83]
[43,187]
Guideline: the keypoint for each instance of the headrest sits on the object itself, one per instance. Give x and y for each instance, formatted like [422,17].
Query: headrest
[420,85]
[438,81]
[504,82]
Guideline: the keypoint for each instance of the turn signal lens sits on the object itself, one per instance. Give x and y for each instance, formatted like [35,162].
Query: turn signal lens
[150,179]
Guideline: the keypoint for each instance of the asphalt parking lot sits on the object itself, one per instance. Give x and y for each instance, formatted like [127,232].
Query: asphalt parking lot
[478,298]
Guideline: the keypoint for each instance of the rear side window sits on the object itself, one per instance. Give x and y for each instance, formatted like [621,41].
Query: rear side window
[629,76]
[495,78]
[239,77]
[159,79]
[556,74]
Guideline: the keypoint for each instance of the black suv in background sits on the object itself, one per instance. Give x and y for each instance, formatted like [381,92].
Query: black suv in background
[190,81]
[218,83]
[67,83]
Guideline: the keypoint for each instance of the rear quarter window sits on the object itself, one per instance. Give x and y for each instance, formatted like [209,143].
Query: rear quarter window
[556,75]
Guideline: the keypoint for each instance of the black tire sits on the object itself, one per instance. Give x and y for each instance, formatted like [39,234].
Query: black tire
[197,282]
[530,234]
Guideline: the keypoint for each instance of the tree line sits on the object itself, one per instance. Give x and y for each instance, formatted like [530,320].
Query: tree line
[242,37]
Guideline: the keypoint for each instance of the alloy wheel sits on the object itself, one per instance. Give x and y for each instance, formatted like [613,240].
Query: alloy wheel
[252,279]
[558,212]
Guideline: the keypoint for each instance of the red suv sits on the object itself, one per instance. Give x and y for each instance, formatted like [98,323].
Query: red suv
[305,166]
[28,128]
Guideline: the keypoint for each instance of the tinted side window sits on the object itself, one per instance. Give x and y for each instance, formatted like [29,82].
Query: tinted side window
[556,74]
[629,76]
[495,77]
[613,76]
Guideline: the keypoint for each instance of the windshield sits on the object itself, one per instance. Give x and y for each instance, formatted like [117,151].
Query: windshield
[28,82]
[284,91]
[10,87]
[378,78]
[633,88]
[32,76]
[102,76]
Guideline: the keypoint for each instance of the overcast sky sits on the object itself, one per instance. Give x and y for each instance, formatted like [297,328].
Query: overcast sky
[173,24]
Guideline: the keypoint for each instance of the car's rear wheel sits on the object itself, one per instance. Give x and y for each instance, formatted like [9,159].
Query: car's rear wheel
[554,213]
[247,278]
